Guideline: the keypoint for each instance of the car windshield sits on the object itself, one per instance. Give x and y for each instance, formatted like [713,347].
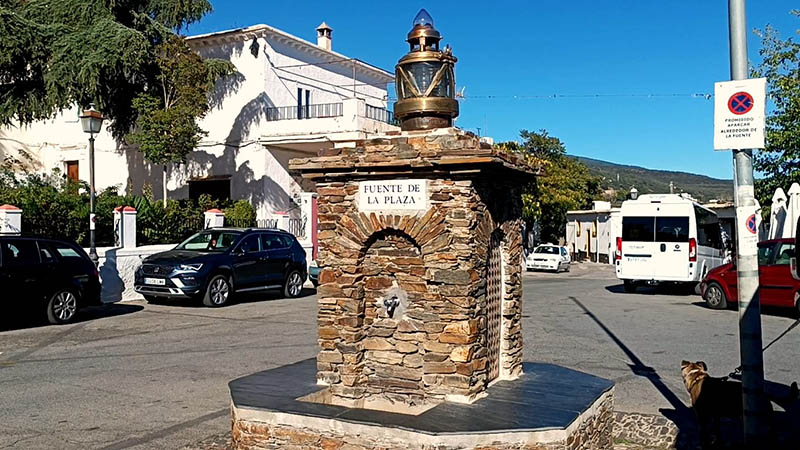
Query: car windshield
[548,250]
[209,241]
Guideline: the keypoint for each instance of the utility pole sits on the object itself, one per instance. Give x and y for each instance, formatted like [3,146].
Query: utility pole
[752,362]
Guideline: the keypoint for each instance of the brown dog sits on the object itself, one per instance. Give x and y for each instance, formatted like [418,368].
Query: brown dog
[712,398]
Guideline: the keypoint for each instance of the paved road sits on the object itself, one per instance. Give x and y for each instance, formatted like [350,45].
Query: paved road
[584,320]
[145,376]
[142,376]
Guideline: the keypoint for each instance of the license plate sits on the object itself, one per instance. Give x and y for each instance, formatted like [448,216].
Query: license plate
[155,281]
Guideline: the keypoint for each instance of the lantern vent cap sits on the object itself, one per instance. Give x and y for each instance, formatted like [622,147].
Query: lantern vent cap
[422,29]
[423,19]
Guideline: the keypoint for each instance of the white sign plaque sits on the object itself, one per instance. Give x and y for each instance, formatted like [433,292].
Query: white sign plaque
[393,195]
[739,110]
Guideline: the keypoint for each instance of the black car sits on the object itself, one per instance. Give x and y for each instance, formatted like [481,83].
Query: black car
[215,263]
[51,277]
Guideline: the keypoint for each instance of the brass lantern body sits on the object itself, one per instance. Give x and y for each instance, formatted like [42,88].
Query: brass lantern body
[425,80]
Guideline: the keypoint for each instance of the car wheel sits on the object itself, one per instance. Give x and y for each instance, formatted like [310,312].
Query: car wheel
[630,286]
[218,291]
[62,307]
[715,296]
[293,285]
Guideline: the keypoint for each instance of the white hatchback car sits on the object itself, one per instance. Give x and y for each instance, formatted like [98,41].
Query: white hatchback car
[548,257]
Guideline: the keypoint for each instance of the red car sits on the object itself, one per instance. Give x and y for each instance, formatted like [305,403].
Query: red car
[778,287]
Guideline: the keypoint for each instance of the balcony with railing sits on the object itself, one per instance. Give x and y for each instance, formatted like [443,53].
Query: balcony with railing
[380,114]
[307,128]
[318,111]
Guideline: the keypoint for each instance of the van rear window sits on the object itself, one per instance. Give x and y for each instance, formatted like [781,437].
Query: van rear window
[638,229]
[672,229]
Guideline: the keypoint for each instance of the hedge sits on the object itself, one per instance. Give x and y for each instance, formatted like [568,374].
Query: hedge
[57,207]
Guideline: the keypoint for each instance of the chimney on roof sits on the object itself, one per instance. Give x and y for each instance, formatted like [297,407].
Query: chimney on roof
[324,36]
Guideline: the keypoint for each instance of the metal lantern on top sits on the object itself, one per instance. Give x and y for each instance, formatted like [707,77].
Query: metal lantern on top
[425,82]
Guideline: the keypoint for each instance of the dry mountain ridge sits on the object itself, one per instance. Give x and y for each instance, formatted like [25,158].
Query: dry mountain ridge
[621,178]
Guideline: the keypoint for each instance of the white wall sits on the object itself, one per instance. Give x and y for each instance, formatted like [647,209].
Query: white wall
[55,141]
[592,233]
[238,119]
[117,267]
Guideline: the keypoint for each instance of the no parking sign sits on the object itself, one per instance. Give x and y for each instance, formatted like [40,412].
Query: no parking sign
[739,108]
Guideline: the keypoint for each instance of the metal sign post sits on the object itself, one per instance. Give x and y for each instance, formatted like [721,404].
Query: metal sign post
[755,419]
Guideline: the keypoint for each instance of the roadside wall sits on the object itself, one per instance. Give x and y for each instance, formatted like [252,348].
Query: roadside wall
[117,267]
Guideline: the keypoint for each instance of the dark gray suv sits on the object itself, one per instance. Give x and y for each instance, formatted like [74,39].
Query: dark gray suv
[214,264]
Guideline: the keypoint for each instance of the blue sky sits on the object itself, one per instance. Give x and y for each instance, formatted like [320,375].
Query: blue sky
[629,48]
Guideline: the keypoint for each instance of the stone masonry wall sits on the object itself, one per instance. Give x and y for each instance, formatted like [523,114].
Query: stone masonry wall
[435,347]
[592,432]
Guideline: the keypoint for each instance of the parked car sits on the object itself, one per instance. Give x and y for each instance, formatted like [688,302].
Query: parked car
[777,285]
[548,257]
[667,238]
[313,273]
[214,264]
[51,277]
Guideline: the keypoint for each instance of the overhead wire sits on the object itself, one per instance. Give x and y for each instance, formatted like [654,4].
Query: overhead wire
[705,96]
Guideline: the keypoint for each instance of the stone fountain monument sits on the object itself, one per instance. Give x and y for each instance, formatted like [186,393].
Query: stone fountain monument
[420,297]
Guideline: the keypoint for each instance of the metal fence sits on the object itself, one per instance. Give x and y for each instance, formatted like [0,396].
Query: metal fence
[267,223]
[239,223]
[295,226]
[380,114]
[317,111]
[169,229]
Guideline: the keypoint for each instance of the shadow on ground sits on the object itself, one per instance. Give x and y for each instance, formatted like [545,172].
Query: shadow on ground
[22,319]
[242,298]
[784,432]
[665,289]
[680,414]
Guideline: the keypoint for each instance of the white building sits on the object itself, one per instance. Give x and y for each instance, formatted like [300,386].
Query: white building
[592,234]
[290,98]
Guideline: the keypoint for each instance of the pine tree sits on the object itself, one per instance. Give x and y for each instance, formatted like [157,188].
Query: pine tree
[55,54]
[122,55]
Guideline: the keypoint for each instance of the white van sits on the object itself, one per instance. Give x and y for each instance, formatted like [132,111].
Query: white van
[667,238]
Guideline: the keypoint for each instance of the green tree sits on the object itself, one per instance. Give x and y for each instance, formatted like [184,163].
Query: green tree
[779,162]
[565,185]
[56,54]
[167,130]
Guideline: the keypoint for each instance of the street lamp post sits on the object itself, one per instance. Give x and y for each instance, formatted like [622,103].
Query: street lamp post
[91,122]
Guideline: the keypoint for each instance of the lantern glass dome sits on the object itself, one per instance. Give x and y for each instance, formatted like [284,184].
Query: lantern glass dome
[423,74]
[423,18]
